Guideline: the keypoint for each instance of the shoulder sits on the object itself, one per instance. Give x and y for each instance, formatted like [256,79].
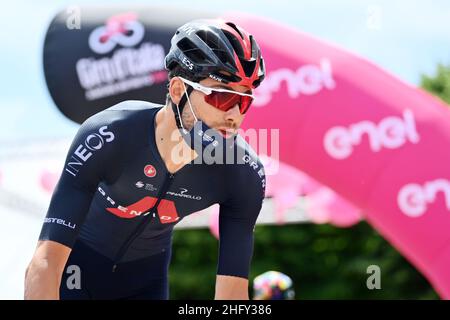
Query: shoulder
[125,120]
[126,111]
[135,106]
[246,176]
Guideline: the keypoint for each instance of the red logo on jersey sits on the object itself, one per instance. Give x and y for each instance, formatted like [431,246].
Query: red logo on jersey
[167,211]
[149,171]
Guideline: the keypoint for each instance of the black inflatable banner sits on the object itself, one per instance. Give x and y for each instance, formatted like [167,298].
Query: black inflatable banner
[112,54]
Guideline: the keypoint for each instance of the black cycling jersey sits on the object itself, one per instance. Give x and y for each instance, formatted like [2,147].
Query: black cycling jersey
[116,195]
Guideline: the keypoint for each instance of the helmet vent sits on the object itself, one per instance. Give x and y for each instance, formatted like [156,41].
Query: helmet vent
[235,43]
[249,66]
[188,48]
[231,24]
[213,42]
[209,38]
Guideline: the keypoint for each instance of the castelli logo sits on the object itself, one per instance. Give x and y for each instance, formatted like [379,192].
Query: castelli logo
[308,79]
[149,171]
[413,199]
[391,133]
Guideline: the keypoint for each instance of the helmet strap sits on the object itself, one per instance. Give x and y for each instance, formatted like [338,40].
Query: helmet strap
[178,109]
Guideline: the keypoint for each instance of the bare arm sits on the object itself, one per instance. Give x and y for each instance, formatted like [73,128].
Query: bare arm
[237,218]
[231,288]
[43,275]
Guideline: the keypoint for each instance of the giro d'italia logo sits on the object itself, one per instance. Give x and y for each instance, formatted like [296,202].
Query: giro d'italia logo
[149,171]
[123,29]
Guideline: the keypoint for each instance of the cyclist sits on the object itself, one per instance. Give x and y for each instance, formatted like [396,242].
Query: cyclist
[132,172]
[273,285]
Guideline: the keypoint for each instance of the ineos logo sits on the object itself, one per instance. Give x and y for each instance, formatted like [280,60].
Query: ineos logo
[188,63]
[84,151]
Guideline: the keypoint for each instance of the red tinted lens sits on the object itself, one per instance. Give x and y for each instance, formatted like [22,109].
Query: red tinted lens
[245,103]
[222,100]
[227,100]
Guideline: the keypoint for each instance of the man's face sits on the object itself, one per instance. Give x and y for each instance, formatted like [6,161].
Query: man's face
[226,122]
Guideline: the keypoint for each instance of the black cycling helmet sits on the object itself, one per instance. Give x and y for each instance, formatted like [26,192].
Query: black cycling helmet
[213,48]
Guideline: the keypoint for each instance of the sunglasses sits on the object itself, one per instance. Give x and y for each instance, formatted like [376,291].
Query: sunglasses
[223,99]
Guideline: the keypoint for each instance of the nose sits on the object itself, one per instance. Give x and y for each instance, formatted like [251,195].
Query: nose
[233,114]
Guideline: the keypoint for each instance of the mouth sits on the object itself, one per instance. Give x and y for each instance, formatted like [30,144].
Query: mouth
[226,133]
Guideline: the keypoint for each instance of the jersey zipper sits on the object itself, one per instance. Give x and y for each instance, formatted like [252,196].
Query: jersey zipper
[141,226]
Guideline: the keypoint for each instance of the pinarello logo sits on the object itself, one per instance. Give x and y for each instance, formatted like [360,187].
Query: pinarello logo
[149,171]
[123,29]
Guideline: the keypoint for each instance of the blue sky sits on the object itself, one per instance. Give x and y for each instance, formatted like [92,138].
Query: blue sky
[407,38]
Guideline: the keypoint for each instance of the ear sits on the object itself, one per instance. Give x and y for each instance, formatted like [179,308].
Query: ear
[176,89]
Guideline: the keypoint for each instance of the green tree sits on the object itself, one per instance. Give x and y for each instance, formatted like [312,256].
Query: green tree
[439,84]
[325,262]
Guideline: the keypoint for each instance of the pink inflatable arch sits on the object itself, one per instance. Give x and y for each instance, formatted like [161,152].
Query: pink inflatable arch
[380,143]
